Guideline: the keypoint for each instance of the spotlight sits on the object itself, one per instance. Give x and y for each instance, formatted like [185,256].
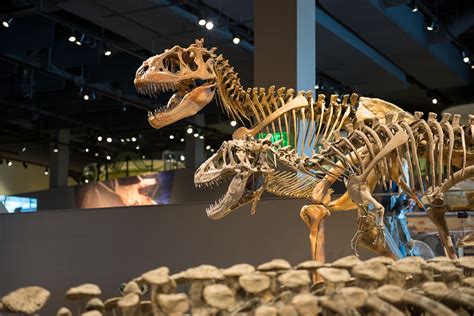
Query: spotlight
[9,163]
[137,147]
[78,43]
[134,139]
[86,180]
[171,136]
[196,135]
[72,38]
[124,108]
[122,140]
[128,140]
[432,27]
[212,150]
[23,149]
[108,157]
[86,97]
[99,138]
[86,150]
[189,130]
[81,40]
[107,52]
[201,136]
[233,123]
[236,40]
[55,149]
[202,22]
[465,58]
[143,156]
[316,87]
[46,171]
[209,25]
[109,139]
[182,158]
[182,140]
[434,101]
[96,154]
[7,23]
[25,165]
[472,66]
[413,6]
[208,147]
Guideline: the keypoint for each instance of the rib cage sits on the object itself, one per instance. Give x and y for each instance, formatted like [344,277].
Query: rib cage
[251,106]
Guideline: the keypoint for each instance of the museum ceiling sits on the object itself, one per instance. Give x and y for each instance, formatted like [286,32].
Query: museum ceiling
[46,76]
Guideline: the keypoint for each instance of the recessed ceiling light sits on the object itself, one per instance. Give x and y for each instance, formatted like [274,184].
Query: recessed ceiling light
[209,25]
[236,40]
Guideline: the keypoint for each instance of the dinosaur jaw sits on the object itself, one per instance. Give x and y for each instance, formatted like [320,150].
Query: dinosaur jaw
[244,188]
[190,97]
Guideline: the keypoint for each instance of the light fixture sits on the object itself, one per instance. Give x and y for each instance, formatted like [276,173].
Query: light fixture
[7,23]
[86,180]
[109,139]
[171,136]
[96,154]
[107,52]
[137,147]
[9,163]
[55,149]
[86,150]
[233,123]
[196,135]
[182,140]
[208,147]
[434,100]
[182,158]
[432,27]
[72,38]
[81,40]
[128,140]
[23,149]
[189,130]
[25,165]
[465,58]
[108,157]
[413,6]
[236,40]
[472,66]
[202,21]
[212,150]
[134,139]
[46,171]
[209,25]
[201,136]
[316,87]
[143,156]
[122,140]
[99,138]
[86,97]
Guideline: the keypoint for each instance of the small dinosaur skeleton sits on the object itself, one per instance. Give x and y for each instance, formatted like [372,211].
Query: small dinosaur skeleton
[366,155]
[195,74]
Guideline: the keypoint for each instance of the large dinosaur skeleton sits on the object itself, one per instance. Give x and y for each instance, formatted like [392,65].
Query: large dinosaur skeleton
[367,155]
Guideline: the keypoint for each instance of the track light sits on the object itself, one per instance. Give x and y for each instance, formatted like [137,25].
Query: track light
[434,100]
[208,147]
[109,139]
[96,154]
[472,66]
[182,140]
[201,136]
[196,135]
[46,171]
[86,181]
[212,150]
[86,97]
[7,23]
[413,6]
[72,38]
[209,25]
[134,139]
[316,87]
[23,149]
[465,58]
[9,163]
[143,156]
[189,130]
[137,147]
[81,40]
[108,157]
[182,158]
[202,21]
[99,138]
[55,149]
[171,136]
[122,140]
[107,52]
[86,150]
[236,40]
[233,123]
[432,27]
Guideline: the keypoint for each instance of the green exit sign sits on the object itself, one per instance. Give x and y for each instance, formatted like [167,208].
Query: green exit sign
[276,137]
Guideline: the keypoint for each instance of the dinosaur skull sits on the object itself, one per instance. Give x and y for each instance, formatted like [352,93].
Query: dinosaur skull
[243,161]
[189,72]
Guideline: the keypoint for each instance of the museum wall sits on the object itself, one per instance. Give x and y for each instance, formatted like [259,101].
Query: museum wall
[58,250]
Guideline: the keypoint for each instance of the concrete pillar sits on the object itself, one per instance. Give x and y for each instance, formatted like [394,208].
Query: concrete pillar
[194,146]
[285,43]
[59,161]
